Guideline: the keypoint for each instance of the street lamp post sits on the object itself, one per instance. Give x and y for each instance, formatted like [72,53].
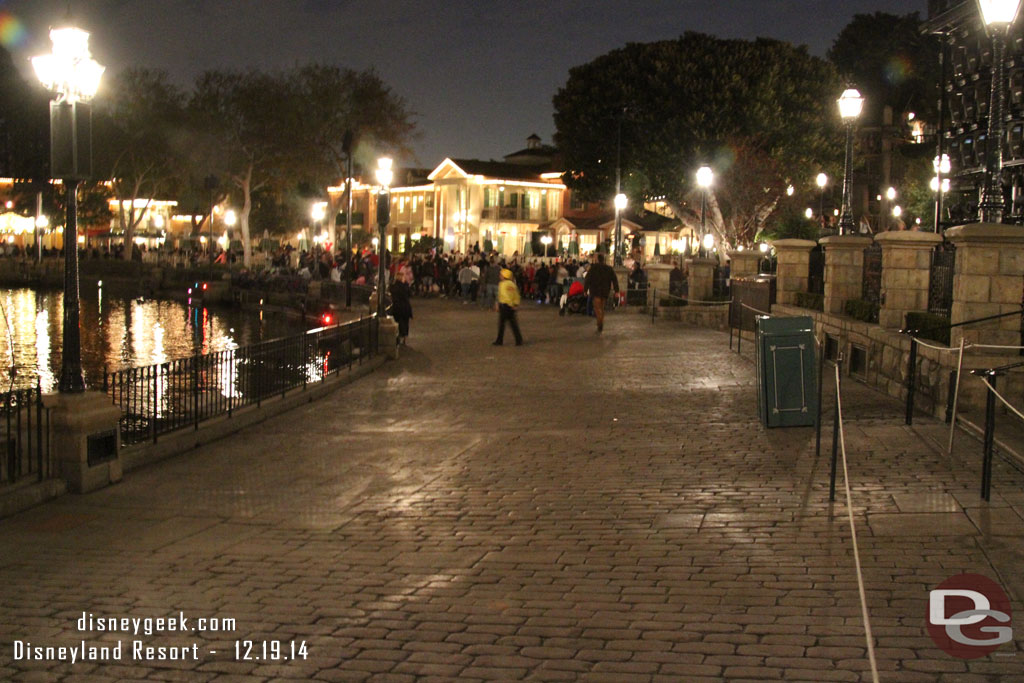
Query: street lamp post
[998,16]
[620,205]
[384,177]
[705,176]
[822,181]
[318,213]
[74,76]
[349,260]
[850,106]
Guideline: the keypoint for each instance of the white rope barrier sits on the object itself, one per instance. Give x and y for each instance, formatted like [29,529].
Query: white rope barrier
[1000,397]
[929,346]
[956,397]
[994,346]
[755,310]
[853,538]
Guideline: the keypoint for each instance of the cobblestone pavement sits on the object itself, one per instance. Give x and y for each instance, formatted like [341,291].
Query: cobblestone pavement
[599,508]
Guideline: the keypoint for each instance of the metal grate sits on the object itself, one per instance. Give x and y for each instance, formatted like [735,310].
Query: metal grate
[871,290]
[940,279]
[816,271]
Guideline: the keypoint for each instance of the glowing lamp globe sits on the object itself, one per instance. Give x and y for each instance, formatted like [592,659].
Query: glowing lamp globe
[705,176]
[850,104]
[620,202]
[384,173]
[822,180]
[996,12]
[708,241]
[69,69]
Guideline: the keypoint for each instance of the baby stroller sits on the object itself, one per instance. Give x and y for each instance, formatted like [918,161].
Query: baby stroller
[574,301]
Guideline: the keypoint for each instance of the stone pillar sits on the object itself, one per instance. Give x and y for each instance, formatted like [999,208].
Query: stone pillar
[700,281]
[387,337]
[988,280]
[844,270]
[906,267]
[794,260]
[657,279]
[743,263]
[86,439]
[622,275]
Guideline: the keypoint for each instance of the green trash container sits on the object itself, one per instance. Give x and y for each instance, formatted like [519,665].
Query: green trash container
[787,372]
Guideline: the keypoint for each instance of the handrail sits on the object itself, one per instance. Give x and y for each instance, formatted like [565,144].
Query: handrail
[912,360]
[917,331]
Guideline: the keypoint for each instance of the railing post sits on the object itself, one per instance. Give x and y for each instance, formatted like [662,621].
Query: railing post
[39,428]
[989,440]
[821,382]
[911,378]
[155,369]
[195,388]
[835,433]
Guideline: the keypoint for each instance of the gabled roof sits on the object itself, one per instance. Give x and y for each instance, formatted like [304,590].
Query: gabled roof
[489,169]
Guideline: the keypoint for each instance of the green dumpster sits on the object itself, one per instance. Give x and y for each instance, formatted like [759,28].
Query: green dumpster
[787,372]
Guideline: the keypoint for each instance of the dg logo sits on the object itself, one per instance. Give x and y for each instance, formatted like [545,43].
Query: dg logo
[969,616]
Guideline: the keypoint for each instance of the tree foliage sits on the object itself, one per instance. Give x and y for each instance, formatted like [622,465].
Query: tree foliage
[759,112]
[137,134]
[337,102]
[887,58]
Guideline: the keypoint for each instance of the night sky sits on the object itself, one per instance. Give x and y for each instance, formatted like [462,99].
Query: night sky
[480,74]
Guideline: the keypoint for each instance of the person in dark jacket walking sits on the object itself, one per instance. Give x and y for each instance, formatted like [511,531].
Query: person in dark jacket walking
[600,280]
[401,305]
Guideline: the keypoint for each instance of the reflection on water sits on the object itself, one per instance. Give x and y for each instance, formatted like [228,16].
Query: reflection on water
[118,333]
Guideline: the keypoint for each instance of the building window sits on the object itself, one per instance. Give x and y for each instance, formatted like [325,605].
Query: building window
[575,203]
[428,201]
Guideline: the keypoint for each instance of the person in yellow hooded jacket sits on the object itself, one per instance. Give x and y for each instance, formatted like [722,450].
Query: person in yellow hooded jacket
[508,301]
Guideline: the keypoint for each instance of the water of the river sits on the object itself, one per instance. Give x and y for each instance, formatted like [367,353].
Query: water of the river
[119,333]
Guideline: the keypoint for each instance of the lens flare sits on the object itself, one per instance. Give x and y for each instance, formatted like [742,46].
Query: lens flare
[12,31]
[898,70]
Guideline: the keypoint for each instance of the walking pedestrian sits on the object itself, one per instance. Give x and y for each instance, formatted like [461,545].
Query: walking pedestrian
[401,304]
[600,280]
[508,301]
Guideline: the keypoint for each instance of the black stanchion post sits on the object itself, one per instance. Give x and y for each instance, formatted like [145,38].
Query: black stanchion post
[835,435]
[817,419]
[911,379]
[990,428]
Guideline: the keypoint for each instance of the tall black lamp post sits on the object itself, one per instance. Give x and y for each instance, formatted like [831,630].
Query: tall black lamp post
[71,73]
[998,16]
[850,106]
[384,177]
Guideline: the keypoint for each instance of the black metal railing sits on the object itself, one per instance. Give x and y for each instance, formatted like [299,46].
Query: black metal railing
[940,279]
[871,289]
[912,373]
[25,430]
[162,398]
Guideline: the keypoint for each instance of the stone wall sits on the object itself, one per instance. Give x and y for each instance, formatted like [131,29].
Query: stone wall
[886,353]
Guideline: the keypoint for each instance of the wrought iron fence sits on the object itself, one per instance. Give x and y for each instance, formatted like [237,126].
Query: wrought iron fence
[161,398]
[816,271]
[25,429]
[871,290]
[940,279]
